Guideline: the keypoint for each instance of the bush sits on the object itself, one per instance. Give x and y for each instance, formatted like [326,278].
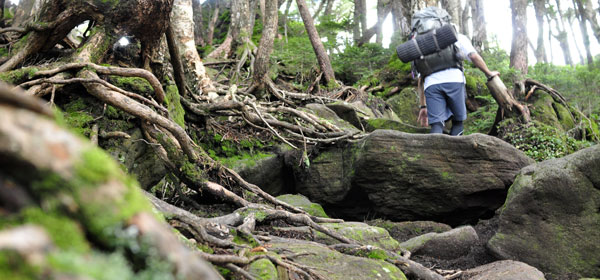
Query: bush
[357,63]
[539,141]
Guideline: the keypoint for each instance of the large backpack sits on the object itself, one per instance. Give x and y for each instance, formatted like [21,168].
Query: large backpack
[426,21]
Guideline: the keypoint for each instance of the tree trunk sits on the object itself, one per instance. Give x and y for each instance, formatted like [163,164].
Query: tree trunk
[518,51]
[479,26]
[26,10]
[581,16]
[240,21]
[329,8]
[360,17]
[590,14]
[183,26]
[382,12]
[261,65]
[369,33]
[540,50]
[319,9]
[464,24]
[398,20]
[198,23]
[317,45]
[210,33]
[561,35]
[453,8]
[285,18]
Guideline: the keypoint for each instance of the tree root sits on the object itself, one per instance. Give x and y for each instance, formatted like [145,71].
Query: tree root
[111,70]
[408,266]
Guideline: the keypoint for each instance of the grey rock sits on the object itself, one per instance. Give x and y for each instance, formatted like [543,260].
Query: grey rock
[405,176]
[448,245]
[504,270]
[551,218]
[337,266]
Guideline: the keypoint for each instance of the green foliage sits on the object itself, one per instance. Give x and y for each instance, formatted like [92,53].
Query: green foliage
[579,84]
[539,141]
[295,57]
[18,76]
[481,121]
[358,64]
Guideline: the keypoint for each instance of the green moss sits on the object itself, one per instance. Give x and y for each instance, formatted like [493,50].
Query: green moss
[3,52]
[243,239]
[133,84]
[377,254]
[172,100]
[304,204]
[92,266]
[65,233]
[18,76]
[263,269]
[106,207]
[13,266]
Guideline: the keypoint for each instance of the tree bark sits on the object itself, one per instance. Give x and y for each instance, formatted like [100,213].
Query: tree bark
[261,64]
[561,35]
[182,21]
[453,8]
[518,51]
[540,50]
[590,14]
[317,45]
[382,12]
[319,9]
[26,10]
[198,23]
[479,26]
[464,24]
[210,33]
[581,16]
[360,19]
[329,8]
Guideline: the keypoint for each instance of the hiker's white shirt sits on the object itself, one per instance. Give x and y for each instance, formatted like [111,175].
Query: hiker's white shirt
[452,75]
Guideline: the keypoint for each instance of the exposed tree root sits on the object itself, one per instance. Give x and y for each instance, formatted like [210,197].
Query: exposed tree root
[110,70]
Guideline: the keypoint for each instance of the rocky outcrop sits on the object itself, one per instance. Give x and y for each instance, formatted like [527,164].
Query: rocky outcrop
[503,270]
[413,177]
[403,231]
[551,218]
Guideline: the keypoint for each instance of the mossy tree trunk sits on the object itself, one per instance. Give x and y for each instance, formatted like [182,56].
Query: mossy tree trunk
[182,22]
[262,63]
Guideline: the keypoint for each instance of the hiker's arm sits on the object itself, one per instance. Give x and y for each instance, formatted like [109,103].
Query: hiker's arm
[422,119]
[479,63]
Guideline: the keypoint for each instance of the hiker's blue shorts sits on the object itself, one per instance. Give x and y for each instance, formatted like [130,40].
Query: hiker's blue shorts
[446,100]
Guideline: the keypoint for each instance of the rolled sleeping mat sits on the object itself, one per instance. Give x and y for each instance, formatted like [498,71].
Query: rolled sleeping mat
[426,44]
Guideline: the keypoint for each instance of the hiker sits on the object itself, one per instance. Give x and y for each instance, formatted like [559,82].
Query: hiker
[441,82]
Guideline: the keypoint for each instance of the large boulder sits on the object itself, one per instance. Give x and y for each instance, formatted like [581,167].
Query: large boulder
[551,218]
[413,177]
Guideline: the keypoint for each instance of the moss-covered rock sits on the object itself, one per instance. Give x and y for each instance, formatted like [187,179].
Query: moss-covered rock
[406,106]
[550,218]
[263,269]
[361,232]
[403,231]
[337,265]
[303,203]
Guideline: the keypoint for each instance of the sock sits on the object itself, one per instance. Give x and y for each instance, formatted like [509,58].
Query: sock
[437,127]
[457,128]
